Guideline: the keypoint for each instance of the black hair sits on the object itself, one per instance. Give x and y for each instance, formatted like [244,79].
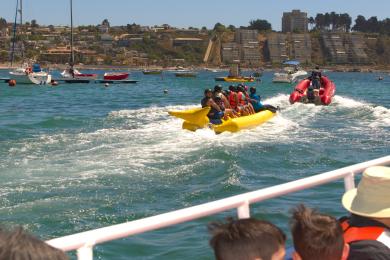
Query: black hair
[217,88]
[245,239]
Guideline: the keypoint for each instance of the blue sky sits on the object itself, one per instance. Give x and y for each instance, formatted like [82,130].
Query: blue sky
[183,13]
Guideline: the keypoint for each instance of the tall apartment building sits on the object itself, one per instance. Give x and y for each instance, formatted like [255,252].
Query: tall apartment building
[245,48]
[243,36]
[295,21]
[277,46]
[230,52]
[300,47]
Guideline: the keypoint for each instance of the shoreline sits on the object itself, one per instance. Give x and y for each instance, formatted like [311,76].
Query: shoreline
[336,68]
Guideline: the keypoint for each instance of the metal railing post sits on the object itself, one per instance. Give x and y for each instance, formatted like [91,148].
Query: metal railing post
[243,211]
[349,181]
[85,252]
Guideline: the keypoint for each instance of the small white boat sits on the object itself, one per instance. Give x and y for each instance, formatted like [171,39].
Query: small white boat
[185,74]
[290,74]
[30,75]
[68,74]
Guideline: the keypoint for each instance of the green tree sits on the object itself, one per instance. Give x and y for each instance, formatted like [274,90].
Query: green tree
[311,22]
[260,25]
[327,21]
[385,26]
[320,21]
[34,23]
[360,24]
[106,22]
[373,24]
[3,23]
[219,27]
[107,60]
[346,21]
[232,28]
[4,55]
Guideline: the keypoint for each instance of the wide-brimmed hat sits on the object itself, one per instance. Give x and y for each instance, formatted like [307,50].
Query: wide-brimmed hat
[372,196]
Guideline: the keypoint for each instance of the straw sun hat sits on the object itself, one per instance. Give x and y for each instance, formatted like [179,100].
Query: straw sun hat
[372,196]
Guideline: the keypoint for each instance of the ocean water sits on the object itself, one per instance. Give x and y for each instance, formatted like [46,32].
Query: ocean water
[82,156]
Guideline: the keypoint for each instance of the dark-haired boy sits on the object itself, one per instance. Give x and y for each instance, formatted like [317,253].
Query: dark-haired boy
[247,239]
[317,236]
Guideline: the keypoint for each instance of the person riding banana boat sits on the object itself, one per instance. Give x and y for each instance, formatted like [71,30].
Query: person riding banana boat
[256,103]
[218,111]
[223,111]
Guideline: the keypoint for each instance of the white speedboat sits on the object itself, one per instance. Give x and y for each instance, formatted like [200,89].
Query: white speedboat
[290,74]
[30,75]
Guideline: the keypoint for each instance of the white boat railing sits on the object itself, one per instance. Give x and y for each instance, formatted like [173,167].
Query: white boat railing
[85,241]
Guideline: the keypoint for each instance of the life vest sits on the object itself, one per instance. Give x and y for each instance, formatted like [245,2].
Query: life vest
[241,98]
[232,99]
[353,234]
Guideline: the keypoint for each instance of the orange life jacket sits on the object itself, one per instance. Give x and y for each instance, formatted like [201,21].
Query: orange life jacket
[241,98]
[232,99]
[353,234]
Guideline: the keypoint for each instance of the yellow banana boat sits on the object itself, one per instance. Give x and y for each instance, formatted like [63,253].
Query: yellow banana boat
[197,118]
[239,79]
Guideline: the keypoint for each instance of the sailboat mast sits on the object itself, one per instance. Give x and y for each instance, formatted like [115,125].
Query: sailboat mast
[21,26]
[71,34]
[14,34]
[21,12]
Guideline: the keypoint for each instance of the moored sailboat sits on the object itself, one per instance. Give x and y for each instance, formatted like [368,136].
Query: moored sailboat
[26,74]
[30,75]
[71,74]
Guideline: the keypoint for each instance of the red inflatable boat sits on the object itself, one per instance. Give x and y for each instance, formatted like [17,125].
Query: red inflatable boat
[323,96]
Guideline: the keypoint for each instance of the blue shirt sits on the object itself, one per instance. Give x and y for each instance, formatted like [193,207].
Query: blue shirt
[257,105]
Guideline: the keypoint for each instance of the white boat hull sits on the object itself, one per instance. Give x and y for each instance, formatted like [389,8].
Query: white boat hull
[38,78]
[289,77]
[77,75]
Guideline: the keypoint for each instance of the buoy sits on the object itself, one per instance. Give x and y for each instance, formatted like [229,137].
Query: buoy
[106,85]
[12,83]
[165,91]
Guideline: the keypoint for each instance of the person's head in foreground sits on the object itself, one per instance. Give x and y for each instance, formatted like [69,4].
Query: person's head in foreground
[371,198]
[19,245]
[316,236]
[367,229]
[247,239]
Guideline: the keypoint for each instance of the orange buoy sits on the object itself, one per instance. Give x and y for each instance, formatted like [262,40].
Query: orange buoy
[12,83]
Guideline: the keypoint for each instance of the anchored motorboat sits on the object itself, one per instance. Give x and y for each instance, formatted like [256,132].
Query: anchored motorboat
[290,74]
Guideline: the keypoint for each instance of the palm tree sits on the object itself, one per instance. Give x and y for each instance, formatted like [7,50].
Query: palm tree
[311,22]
